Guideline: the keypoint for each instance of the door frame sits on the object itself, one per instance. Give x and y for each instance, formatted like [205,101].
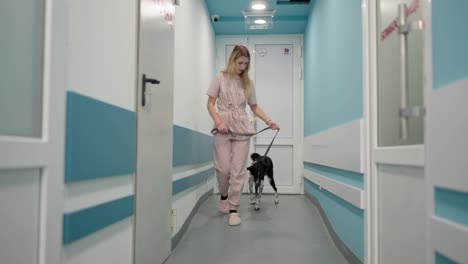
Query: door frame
[426,11]
[296,40]
[298,84]
[47,152]
[413,155]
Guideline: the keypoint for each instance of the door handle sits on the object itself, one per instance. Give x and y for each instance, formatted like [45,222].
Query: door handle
[403,71]
[144,81]
[404,29]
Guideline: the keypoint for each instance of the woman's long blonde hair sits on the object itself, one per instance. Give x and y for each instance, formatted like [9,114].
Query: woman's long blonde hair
[237,52]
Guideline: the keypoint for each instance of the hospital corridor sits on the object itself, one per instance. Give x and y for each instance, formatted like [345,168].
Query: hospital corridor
[233,132]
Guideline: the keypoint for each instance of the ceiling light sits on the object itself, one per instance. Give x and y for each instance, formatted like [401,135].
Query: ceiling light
[262,13]
[258,23]
[261,19]
[258,6]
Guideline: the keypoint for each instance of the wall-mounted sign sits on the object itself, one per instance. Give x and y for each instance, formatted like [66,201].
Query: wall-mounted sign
[166,9]
[262,52]
[394,24]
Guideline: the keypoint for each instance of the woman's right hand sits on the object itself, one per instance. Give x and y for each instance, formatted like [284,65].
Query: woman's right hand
[222,128]
[273,125]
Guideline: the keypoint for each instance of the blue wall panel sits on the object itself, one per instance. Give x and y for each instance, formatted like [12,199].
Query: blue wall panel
[451,205]
[449,41]
[100,139]
[441,259]
[332,65]
[346,219]
[191,147]
[188,182]
[81,223]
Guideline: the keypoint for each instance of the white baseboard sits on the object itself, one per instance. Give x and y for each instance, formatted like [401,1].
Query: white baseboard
[346,192]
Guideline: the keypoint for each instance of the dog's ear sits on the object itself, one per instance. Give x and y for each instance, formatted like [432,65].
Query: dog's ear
[254,156]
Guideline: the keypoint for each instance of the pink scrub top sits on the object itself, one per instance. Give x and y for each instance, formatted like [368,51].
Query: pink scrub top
[231,103]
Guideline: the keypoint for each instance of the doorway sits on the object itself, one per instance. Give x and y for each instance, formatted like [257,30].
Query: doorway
[32,130]
[396,194]
[276,69]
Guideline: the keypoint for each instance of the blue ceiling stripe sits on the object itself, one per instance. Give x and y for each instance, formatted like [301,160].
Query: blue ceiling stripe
[230,19]
[290,18]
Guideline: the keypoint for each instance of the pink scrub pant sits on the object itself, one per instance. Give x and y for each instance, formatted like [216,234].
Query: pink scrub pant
[230,157]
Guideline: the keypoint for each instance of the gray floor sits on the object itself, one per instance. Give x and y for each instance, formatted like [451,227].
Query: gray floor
[292,233]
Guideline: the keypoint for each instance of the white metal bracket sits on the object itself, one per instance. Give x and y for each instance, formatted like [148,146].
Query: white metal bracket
[409,27]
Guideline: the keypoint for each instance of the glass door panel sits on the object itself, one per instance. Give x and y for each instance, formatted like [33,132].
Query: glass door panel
[393,129]
[21,67]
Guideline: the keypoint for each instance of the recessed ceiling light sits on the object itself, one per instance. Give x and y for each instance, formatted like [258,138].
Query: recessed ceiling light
[258,5]
[260,21]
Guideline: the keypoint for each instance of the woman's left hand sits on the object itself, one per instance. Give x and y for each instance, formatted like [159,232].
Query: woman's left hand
[272,124]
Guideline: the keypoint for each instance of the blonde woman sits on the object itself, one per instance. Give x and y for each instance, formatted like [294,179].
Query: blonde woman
[232,89]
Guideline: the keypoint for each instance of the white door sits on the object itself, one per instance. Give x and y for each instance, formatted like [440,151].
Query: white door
[278,83]
[397,182]
[154,136]
[276,68]
[32,102]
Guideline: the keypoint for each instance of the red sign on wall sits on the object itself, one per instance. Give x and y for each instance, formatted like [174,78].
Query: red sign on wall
[394,24]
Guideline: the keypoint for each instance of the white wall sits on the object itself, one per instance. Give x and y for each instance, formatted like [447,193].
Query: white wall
[102,51]
[194,65]
[446,129]
[338,147]
[110,245]
[194,69]
[101,63]
[185,201]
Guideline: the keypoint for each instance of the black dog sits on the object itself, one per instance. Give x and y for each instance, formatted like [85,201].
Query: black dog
[261,166]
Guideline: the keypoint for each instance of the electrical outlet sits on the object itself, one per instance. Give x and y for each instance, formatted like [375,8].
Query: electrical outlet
[173,219]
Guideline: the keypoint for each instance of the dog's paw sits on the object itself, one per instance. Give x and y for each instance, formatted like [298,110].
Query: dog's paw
[257,205]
